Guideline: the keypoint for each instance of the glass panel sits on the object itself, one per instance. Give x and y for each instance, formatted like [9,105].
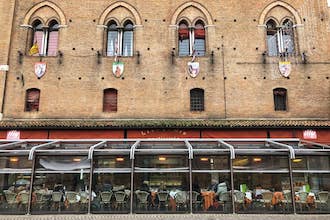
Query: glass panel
[111,193]
[60,193]
[161,161]
[127,43]
[261,163]
[112,162]
[63,163]
[112,43]
[311,163]
[312,192]
[161,192]
[14,193]
[272,45]
[262,193]
[184,47]
[15,162]
[207,162]
[200,47]
[211,192]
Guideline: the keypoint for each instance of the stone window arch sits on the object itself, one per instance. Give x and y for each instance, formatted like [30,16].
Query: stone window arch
[119,39]
[283,42]
[42,36]
[197,29]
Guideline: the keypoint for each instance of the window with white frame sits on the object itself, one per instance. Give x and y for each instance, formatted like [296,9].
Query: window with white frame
[45,38]
[119,40]
[280,39]
[191,40]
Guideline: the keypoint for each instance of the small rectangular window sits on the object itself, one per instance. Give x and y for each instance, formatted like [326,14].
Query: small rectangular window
[280,99]
[110,100]
[197,100]
[32,100]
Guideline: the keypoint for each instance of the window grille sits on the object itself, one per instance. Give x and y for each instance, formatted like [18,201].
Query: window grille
[197,100]
[280,99]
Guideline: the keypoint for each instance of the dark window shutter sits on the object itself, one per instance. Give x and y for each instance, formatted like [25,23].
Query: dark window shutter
[280,97]
[32,100]
[110,100]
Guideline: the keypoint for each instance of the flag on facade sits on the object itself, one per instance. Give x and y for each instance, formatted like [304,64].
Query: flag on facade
[116,50]
[34,49]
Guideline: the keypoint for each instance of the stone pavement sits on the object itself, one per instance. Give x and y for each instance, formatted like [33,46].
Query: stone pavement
[165,217]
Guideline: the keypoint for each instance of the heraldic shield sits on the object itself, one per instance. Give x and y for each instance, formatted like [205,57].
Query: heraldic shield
[285,68]
[117,69]
[40,69]
[193,69]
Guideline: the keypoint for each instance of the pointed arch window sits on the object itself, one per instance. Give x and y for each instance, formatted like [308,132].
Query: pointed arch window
[110,100]
[280,40]
[120,39]
[272,38]
[45,37]
[191,39]
[280,99]
[32,100]
[197,99]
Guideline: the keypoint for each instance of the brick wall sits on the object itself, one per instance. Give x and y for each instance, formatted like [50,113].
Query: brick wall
[158,88]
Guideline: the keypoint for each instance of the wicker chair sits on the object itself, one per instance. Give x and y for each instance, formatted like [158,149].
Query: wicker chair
[11,199]
[163,199]
[322,200]
[181,200]
[142,198]
[106,198]
[120,197]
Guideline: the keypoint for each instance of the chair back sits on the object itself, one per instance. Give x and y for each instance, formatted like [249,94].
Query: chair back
[120,196]
[10,197]
[195,196]
[106,196]
[303,196]
[142,196]
[162,196]
[239,196]
[181,197]
[24,197]
[225,196]
[288,196]
[323,196]
[71,197]
[267,196]
[84,197]
[57,196]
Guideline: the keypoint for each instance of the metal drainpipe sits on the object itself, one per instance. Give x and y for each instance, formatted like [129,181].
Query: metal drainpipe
[31,185]
[8,59]
[90,188]
[132,186]
[232,185]
[190,186]
[224,76]
[292,187]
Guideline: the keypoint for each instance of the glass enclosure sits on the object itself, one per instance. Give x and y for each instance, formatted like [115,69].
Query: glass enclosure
[277,176]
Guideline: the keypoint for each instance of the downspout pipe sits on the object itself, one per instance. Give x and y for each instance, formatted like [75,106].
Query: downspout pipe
[8,59]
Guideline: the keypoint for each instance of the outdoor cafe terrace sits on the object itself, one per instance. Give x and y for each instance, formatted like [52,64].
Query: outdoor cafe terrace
[110,176]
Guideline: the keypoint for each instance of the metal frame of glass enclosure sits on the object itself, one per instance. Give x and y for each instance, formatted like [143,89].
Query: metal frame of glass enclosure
[90,149]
